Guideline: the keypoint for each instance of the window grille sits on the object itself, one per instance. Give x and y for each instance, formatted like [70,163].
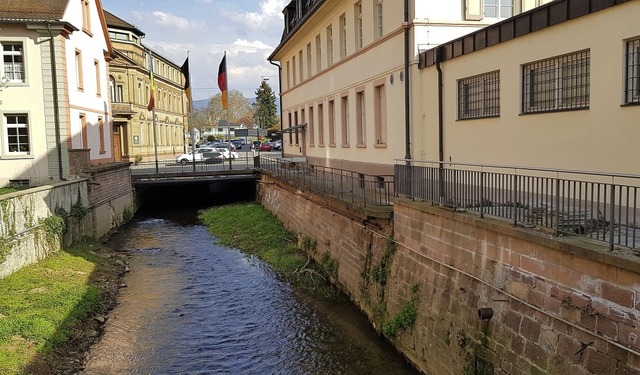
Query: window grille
[479,96]
[17,134]
[632,79]
[559,83]
[13,62]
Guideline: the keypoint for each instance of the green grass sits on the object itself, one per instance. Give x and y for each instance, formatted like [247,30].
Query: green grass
[7,190]
[41,303]
[254,230]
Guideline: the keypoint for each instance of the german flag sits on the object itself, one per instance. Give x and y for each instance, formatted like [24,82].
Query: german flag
[222,81]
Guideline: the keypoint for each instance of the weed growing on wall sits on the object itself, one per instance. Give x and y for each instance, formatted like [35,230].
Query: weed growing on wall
[404,318]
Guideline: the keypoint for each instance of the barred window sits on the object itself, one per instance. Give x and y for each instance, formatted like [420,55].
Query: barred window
[632,79]
[559,83]
[479,96]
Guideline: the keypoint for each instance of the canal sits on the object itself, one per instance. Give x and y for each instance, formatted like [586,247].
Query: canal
[191,306]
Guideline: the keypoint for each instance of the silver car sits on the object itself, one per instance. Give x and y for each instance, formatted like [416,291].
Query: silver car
[208,155]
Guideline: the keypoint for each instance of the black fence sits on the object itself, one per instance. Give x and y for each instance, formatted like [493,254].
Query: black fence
[595,205]
[349,186]
[244,161]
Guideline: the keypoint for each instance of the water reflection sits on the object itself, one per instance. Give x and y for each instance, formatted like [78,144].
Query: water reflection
[192,307]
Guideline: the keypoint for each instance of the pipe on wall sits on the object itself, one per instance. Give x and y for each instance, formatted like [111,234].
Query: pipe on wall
[56,112]
[407,86]
[279,98]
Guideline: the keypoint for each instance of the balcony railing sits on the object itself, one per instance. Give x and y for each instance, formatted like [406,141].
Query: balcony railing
[601,206]
[356,188]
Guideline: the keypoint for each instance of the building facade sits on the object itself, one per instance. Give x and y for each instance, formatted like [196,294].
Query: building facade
[347,73]
[555,87]
[130,90]
[56,117]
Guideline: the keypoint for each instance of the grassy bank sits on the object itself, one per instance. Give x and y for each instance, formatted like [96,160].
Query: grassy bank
[256,231]
[48,307]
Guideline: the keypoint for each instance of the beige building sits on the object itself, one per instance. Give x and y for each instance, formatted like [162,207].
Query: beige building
[349,73]
[129,82]
[558,87]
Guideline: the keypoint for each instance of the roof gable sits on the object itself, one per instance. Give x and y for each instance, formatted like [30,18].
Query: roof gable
[44,10]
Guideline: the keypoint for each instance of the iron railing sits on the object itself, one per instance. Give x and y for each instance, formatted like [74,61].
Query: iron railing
[596,205]
[244,161]
[349,186]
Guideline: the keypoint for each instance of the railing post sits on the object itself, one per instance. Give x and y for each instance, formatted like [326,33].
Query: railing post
[557,202]
[482,194]
[514,196]
[611,215]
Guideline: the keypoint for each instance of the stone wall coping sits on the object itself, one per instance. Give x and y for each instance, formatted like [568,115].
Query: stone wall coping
[40,188]
[579,246]
[110,166]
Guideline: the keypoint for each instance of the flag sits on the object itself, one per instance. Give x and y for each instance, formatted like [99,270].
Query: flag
[187,81]
[222,81]
[152,102]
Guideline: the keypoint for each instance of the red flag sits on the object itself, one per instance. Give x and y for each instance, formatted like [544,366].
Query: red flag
[222,81]
[152,102]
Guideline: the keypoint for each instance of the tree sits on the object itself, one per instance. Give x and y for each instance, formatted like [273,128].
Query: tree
[238,108]
[265,114]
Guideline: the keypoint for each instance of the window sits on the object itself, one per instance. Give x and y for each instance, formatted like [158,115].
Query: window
[290,135]
[361,123]
[332,123]
[83,124]
[358,24]
[12,62]
[86,16]
[311,127]
[301,67]
[632,79]
[378,29]
[559,83]
[320,125]
[79,80]
[343,36]
[119,94]
[17,134]
[479,96]
[293,64]
[288,75]
[308,60]
[380,114]
[112,89]
[318,54]
[96,65]
[295,115]
[140,101]
[101,130]
[329,46]
[344,119]
[498,9]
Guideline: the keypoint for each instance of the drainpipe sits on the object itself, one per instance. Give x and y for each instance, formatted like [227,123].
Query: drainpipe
[56,113]
[407,86]
[440,125]
[279,98]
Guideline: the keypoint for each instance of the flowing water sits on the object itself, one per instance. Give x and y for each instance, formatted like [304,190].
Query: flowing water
[193,307]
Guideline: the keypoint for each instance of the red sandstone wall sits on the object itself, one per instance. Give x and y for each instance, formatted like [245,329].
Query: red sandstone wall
[559,308]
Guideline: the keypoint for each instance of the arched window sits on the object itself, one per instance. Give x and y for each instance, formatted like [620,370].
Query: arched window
[140,93]
[112,88]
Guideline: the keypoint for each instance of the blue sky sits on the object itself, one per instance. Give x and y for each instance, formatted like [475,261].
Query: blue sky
[248,30]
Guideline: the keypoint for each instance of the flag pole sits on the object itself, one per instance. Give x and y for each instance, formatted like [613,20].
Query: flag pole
[153,112]
[189,107]
[226,85]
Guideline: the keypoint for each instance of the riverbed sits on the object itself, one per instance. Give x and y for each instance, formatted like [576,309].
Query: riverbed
[191,306]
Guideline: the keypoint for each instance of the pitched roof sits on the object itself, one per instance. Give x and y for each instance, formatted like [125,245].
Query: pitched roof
[40,10]
[118,23]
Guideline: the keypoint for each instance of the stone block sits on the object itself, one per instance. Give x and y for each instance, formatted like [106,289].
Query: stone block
[621,296]
[530,329]
[599,363]
[607,327]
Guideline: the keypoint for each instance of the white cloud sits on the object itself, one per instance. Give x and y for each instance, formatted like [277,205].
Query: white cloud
[170,21]
[269,16]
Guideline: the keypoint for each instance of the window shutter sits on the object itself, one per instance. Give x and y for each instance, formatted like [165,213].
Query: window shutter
[473,10]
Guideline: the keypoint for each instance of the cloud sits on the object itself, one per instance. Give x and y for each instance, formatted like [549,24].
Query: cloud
[268,17]
[170,21]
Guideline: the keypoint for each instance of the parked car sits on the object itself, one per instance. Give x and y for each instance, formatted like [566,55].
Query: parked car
[225,152]
[265,146]
[277,145]
[226,145]
[237,143]
[202,154]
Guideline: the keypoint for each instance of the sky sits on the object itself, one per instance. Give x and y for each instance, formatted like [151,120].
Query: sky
[248,30]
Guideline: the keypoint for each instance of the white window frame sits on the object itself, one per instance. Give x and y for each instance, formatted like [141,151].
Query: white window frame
[13,63]
[5,134]
[501,8]
[632,72]
[357,10]
[379,29]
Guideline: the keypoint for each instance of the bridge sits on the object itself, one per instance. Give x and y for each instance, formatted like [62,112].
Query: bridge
[169,172]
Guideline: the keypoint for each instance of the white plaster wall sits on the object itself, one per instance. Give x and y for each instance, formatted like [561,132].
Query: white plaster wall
[24,98]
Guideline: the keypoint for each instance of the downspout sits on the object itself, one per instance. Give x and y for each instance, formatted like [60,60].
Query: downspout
[407,86]
[440,126]
[280,99]
[56,113]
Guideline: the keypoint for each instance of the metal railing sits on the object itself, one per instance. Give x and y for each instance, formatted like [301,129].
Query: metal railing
[596,205]
[244,161]
[349,186]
